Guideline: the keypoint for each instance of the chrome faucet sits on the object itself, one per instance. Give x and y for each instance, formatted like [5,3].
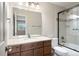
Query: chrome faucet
[29,35]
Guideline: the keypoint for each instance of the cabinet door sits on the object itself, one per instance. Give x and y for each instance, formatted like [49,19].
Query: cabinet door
[14,49]
[47,50]
[27,46]
[38,45]
[27,53]
[38,52]
[14,54]
[47,43]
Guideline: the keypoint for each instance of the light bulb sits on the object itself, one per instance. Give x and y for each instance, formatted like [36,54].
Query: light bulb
[32,5]
[20,3]
[37,7]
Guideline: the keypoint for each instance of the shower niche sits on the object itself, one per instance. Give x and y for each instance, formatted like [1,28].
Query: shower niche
[68,28]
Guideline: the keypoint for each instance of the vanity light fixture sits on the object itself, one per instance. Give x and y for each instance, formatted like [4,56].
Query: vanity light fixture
[33,5]
[37,7]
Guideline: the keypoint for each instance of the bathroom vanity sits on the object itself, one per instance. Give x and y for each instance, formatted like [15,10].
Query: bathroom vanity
[26,23]
[41,46]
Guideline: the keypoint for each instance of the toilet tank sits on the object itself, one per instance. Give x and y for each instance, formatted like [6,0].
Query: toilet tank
[54,42]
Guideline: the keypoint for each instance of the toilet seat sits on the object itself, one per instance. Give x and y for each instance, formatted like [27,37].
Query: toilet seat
[60,51]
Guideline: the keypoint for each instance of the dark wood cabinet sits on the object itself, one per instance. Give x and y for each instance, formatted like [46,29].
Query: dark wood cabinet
[38,44]
[42,48]
[26,46]
[38,52]
[47,48]
[15,50]
[47,43]
[47,51]
[14,54]
[27,53]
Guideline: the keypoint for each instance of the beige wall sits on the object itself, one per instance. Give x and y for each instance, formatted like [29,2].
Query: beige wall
[49,16]
[49,19]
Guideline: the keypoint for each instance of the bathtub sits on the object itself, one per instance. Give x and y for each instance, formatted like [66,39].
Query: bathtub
[70,52]
[73,46]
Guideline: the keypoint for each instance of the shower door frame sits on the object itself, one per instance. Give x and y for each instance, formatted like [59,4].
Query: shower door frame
[58,26]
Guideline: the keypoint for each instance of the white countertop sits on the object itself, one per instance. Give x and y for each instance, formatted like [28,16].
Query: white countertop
[11,42]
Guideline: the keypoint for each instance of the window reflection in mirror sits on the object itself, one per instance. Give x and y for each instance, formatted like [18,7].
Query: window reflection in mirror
[30,23]
[20,25]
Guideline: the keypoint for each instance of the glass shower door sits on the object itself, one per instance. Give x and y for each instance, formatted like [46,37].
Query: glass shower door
[69,28]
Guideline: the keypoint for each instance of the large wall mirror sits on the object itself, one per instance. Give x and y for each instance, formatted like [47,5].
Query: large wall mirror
[25,22]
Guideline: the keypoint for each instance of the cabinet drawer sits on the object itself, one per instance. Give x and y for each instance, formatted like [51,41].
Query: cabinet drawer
[26,46]
[47,43]
[14,49]
[47,50]
[38,44]
[38,52]
[14,54]
[27,53]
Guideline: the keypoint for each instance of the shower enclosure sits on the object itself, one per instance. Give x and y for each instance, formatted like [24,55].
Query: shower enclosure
[68,28]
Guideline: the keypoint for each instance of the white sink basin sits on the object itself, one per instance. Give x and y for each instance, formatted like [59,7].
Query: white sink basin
[16,41]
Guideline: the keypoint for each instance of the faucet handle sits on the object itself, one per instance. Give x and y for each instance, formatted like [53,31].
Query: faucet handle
[29,35]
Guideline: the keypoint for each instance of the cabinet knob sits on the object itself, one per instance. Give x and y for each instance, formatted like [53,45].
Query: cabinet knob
[8,49]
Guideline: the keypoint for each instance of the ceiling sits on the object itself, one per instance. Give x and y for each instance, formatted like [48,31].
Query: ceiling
[65,4]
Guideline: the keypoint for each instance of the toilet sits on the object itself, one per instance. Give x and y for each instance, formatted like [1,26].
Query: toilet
[60,51]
